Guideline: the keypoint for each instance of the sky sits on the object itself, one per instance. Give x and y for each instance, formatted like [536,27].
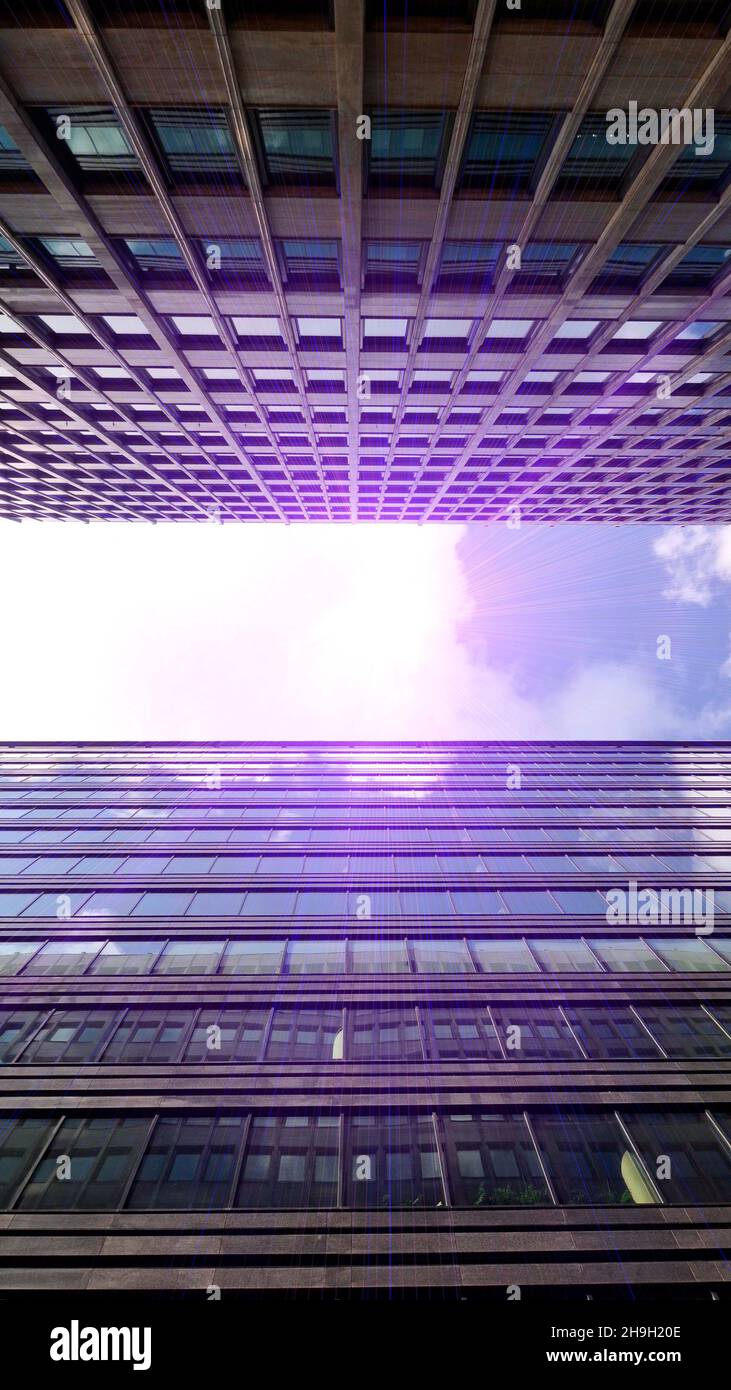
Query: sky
[203,631]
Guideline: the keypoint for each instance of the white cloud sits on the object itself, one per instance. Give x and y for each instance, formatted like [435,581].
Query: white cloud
[696,559]
[202,631]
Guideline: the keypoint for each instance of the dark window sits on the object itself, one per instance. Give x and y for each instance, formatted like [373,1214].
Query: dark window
[189,1162]
[195,141]
[16,1026]
[68,1036]
[699,1168]
[297,147]
[529,1033]
[149,1035]
[290,1161]
[590,1161]
[503,149]
[627,266]
[392,1161]
[21,1141]
[608,1032]
[406,149]
[492,1161]
[87,1166]
[592,162]
[685,1031]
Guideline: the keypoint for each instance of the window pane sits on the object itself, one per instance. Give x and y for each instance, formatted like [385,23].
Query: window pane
[316,958]
[253,958]
[392,1161]
[442,957]
[378,957]
[589,1161]
[683,1151]
[492,1161]
[305,1035]
[100,1155]
[290,1161]
[189,958]
[503,957]
[188,1163]
[385,1035]
[529,1032]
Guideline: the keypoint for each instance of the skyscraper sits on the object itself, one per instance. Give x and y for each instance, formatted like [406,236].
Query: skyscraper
[431,1019]
[353,260]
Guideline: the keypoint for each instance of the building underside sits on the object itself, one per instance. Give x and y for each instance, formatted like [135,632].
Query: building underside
[311,260]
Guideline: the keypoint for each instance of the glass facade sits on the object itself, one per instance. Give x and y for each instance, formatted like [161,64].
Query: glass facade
[364,978]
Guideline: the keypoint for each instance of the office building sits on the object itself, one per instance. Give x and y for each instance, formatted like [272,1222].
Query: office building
[432,1020]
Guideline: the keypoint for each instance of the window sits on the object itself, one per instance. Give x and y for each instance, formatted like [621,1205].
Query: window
[21,1141]
[685,1031]
[699,1167]
[249,957]
[442,957]
[308,262]
[546,265]
[590,1160]
[468,266]
[627,266]
[188,1163]
[297,147]
[315,957]
[15,954]
[564,954]
[189,958]
[71,253]
[126,958]
[383,1035]
[227,1035]
[392,1161]
[503,957]
[155,253]
[687,954]
[503,149]
[11,158]
[148,1035]
[592,162]
[100,1154]
[406,149]
[16,1026]
[529,902]
[580,901]
[698,269]
[392,264]
[305,1035]
[626,956]
[290,1161]
[195,141]
[234,256]
[610,1032]
[706,174]
[379,957]
[64,958]
[462,1033]
[529,1032]
[96,140]
[492,1161]
[70,1036]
